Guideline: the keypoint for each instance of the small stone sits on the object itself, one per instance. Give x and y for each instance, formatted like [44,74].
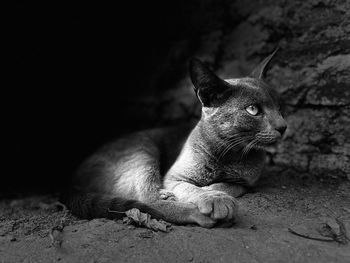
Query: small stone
[253,227]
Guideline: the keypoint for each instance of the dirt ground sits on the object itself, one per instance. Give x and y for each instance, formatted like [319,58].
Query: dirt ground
[36,229]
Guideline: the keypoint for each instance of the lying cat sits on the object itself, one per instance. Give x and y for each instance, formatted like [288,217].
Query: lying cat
[190,173]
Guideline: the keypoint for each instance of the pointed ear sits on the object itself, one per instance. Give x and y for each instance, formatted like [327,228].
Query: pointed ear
[210,89]
[260,71]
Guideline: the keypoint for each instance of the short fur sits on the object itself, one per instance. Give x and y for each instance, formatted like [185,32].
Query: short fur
[191,173]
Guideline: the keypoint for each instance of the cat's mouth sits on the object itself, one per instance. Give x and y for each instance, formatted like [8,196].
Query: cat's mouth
[269,146]
[270,143]
[267,141]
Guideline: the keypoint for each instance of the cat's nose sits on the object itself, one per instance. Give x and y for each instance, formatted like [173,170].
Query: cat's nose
[281,129]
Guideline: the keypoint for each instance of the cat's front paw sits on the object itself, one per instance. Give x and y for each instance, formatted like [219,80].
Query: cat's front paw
[217,205]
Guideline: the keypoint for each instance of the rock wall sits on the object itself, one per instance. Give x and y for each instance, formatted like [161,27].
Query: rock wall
[311,71]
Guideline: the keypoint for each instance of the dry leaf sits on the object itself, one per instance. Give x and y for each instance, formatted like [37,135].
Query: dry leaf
[136,217]
[334,228]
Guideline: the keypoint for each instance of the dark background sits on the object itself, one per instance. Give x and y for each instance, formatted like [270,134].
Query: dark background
[83,73]
[77,65]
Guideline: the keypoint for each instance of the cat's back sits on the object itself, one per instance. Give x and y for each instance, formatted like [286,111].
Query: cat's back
[158,146]
[160,140]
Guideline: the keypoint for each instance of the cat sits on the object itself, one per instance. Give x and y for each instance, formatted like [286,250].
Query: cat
[189,174]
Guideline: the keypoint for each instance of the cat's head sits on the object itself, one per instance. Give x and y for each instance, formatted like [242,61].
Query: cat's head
[241,112]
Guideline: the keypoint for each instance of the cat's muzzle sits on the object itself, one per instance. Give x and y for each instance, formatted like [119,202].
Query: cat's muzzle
[268,139]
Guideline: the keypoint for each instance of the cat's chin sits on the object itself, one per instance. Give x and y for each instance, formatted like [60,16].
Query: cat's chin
[271,146]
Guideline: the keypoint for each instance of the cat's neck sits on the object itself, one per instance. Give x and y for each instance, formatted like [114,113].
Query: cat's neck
[205,142]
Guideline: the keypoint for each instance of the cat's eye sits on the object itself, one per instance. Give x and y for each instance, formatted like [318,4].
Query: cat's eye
[252,110]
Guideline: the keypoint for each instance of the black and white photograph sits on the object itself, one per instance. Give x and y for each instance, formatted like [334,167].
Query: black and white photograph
[176,131]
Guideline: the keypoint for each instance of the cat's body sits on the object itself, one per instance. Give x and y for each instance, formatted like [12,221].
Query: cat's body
[190,173]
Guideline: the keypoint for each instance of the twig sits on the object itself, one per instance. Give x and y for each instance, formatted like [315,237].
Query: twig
[59,204]
[113,211]
[308,237]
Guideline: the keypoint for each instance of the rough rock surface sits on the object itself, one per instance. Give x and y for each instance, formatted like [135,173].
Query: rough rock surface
[311,71]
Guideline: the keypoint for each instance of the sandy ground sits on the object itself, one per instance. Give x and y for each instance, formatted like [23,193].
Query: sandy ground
[36,229]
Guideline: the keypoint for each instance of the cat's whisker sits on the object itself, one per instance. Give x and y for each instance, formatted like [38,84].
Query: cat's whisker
[232,145]
[248,148]
[222,145]
[229,147]
[227,141]
[232,141]
[226,146]
[237,142]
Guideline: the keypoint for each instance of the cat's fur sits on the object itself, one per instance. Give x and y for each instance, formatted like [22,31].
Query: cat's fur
[191,173]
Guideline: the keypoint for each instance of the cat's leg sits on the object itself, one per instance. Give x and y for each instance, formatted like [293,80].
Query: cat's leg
[233,190]
[171,210]
[181,213]
[141,181]
[149,192]
[215,204]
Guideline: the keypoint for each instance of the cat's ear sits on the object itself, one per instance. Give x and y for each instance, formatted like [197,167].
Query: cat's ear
[209,88]
[260,71]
